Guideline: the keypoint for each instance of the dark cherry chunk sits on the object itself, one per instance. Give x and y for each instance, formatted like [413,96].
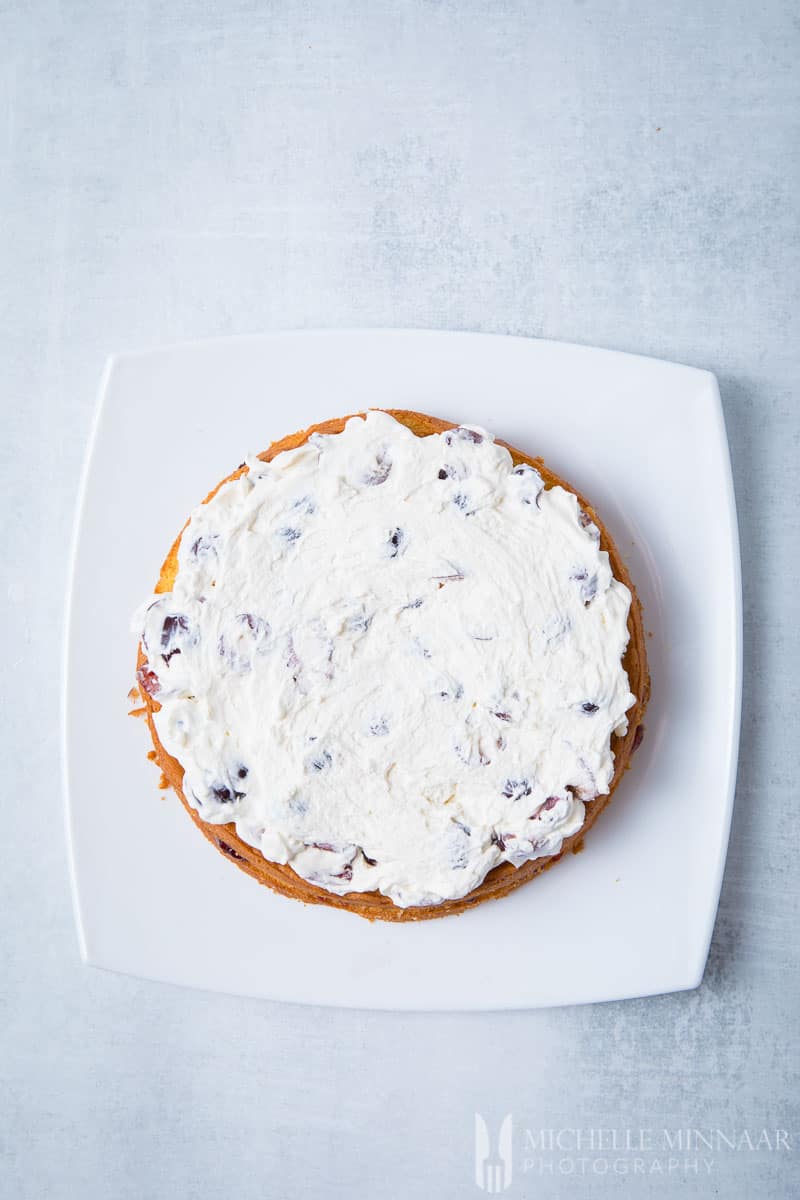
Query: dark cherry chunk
[524,469]
[298,804]
[471,755]
[289,534]
[205,545]
[173,626]
[380,472]
[346,871]
[175,634]
[588,707]
[588,585]
[320,762]
[502,840]
[456,471]
[257,625]
[230,788]
[458,852]
[395,543]
[293,662]
[588,524]
[589,591]
[223,794]
[148,680]
[243,638]
[462,434]
[371,862]
[226,794]
[515,789]
[229,850]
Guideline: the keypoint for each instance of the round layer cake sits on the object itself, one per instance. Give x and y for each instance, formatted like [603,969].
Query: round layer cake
[394,666]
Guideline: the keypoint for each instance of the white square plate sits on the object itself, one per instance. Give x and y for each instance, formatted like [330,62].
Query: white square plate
[633,914]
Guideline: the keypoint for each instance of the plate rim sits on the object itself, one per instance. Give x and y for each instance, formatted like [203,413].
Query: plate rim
[734,715]
[116,358]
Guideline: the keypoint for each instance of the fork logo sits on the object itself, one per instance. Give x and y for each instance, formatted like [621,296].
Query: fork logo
[493,1171]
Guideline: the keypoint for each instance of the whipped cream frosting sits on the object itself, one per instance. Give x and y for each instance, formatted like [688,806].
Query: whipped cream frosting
[392,662]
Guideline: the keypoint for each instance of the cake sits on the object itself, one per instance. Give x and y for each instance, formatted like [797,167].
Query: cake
[393,666]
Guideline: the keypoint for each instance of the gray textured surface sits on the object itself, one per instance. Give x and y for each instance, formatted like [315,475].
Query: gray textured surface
[611,173]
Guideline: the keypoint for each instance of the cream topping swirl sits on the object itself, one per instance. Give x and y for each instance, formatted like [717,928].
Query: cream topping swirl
[392,662]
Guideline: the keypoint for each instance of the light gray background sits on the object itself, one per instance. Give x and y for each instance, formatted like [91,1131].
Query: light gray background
[622,174]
